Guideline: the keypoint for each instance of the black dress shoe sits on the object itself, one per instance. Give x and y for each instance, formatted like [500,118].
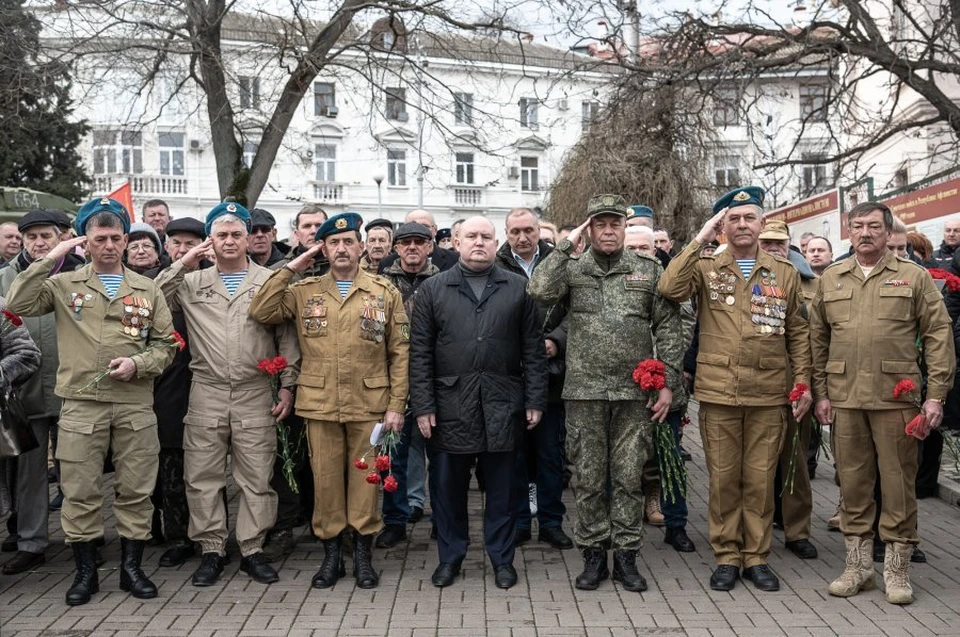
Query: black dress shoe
[506,576]
[445,574]
[677,538]
[22,562]
[259,569]
[724,577]
[555,537]
[803,549]
[762,577]
[918,556]
[522,537]
[390,536]
[177,554]
[416,514]
[211,566]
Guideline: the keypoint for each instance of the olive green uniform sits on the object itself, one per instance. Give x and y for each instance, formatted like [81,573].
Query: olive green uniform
[615,314]
[92,330]
[865,334]
[754,347]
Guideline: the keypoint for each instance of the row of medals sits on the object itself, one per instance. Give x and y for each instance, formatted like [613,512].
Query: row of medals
[722,286]
[76,302]
[315,314]
[373,320]
[768,310]
[136,316]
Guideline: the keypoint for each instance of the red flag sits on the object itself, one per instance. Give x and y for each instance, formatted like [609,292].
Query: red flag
[124,194]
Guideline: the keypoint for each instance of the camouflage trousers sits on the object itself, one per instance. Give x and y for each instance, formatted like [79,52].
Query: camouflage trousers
[608,442]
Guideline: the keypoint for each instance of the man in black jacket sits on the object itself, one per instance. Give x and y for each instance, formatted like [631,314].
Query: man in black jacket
[539,452]
[441,257]
[478,376]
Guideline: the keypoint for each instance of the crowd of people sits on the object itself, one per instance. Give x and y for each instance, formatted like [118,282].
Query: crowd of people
[345,375]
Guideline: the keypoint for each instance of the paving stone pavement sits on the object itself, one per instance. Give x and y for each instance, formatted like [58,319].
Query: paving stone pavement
[543,603]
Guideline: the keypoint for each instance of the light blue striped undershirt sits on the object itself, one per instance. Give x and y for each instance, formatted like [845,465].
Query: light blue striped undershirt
[111,283]
[232,280]
[746,266]
[344,287]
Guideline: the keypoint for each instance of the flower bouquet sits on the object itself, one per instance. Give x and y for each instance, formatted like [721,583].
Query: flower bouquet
[795,394]
[383,445]
[273,367]
[650,376]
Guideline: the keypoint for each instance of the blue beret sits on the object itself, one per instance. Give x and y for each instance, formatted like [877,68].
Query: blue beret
[639,211]
[104,204]
[752,195]
[228,208]
[343,222]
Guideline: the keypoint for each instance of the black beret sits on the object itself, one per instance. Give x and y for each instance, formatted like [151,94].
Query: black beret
[444,233]
[379,223]
[43,218]
[187,225]
[260,218]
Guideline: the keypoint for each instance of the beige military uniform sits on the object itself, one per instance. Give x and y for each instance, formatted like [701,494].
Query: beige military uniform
[230,403]
[92,330]
[355,356]
[864,333]
[754,347]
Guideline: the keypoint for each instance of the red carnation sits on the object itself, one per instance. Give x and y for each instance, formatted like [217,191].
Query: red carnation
[13,318]
[905,386]
[390,484]
[952,280]
[373,477]
[798,391]
[361,464]
[382,463]
[649,374]
[179,340]
[272,366]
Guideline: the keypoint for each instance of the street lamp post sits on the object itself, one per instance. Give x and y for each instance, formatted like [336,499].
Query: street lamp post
[378,177]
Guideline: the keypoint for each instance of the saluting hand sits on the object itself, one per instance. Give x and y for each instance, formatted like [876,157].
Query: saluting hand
[426,423]
[122,369]
[802,406]
[305,260]
[284,406]
[577,236]
[192,258]
[66,247]
[661,408]
[712,228]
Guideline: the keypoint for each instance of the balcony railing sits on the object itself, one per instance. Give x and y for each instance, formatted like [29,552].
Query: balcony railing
[329,192]
[467,197]
[142,184]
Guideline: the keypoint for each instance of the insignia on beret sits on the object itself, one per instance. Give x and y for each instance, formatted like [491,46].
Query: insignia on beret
[630,213]
[741,196]
[341,223]
[105,201]
[231,207]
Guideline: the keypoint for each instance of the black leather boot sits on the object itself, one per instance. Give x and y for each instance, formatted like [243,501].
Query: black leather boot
[332,567]
[362,567]
[132,578]
[594,569]
[625,571]
[86,582]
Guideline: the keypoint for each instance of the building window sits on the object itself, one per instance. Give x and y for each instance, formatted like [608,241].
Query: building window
[463,108]
[116,151]
[171,154]
[396,168]
[529,174]
[396,104]
[727,171]
[813,102]
[588,114]
[528,112]
[464,168]
[814,175]
[324,98]
[249,152]
[726,107]
[325,161]
[249,92]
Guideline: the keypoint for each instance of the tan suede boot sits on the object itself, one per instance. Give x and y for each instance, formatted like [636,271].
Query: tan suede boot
[896,579]
[858,575]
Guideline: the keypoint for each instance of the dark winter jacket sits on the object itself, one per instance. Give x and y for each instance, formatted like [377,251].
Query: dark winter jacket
[947,258]
[476,364]
[441,257]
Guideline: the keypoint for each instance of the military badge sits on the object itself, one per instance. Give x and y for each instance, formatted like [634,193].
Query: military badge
[341,223]
[105,201]
[637,277]
[405,331]
[741,196]
[231,208]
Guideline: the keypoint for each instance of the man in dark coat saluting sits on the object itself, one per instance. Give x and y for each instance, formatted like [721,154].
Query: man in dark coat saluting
[478,377]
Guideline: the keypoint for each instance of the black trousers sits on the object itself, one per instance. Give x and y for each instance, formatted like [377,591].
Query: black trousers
[170,496]
[451,474]
[293,509]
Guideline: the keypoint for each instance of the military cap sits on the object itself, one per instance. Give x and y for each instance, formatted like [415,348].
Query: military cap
[260,218]
[187,225]
[776,230]
[343,222]
[412,229]
[639,211]
[42,218]
[444,233]
[752,195]
[103,204]
[606,205]
[228,208]
[379,223]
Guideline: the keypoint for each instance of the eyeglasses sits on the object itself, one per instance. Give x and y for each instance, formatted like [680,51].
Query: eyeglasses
[261,230]
[141,247]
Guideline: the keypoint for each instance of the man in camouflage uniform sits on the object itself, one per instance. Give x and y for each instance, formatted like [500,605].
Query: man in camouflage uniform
[611,293]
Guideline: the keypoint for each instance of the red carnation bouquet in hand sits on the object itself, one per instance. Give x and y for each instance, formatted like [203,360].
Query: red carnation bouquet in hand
[952,281]
[273,367]
[918,426]
[795,394]
[650,375]
[382,453]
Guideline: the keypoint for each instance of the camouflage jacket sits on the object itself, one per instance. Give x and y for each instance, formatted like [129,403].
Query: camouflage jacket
[614,317]
[408,284]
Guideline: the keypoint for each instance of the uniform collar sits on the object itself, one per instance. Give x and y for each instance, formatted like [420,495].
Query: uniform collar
[888,261]
[363,281]
[726,260]
[211,283]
